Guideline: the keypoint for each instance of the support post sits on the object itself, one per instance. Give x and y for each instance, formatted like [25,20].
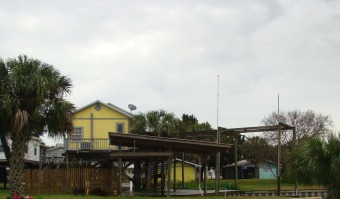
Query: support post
[217,174]
[236,170]
[295,142]
[279,161]
[218,162]
[169,177]
[162,177]
[205,173]
[175,168]
[91,121]
[148,174]
[40,171]
[120,171]
[155,174]
[183,170]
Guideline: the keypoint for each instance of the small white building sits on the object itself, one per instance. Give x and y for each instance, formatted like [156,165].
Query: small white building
[34,148]
[55,154]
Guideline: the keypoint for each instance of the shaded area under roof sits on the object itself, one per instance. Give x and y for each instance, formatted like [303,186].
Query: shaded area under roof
[166,144]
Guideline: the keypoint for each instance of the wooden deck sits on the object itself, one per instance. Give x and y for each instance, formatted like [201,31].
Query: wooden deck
[317,194]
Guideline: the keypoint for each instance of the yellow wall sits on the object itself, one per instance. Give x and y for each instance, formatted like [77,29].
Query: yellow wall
[189,172]
[104,121]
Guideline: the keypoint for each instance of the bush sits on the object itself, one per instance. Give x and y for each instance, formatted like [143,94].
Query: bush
[98,192]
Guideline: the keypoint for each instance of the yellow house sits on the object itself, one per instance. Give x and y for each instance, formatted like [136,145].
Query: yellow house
[92,124]
[191,170]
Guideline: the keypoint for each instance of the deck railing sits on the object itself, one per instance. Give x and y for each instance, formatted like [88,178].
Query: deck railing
[89,144]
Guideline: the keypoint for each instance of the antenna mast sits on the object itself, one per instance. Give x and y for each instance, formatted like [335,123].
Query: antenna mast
[218,95]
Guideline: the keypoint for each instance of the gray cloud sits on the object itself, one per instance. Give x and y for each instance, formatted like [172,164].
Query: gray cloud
[167,54]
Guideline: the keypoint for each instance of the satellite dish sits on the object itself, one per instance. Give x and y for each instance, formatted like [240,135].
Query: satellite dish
[132,107]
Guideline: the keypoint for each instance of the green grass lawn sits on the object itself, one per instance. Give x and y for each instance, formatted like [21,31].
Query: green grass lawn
[5,193]
[244,184]
[267,185]
[252,185]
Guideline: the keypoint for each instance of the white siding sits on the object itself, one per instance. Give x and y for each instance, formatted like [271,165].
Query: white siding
[33,151]
[2,155]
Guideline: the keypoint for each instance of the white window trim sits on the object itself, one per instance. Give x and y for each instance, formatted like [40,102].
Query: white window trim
[78,139]
[123,127]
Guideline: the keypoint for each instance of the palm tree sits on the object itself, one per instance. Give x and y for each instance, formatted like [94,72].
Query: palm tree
[157,122]
[317,160]
[32,103]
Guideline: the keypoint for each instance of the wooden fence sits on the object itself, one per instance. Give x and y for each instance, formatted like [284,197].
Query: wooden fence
[65,180]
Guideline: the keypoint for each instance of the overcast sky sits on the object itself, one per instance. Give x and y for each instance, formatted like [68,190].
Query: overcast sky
[168,54]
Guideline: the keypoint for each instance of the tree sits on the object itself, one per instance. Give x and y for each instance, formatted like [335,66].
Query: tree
[189,123]
[157,123]
[228,157]
[255,149]
[308,124]
[317,159]
[32,103]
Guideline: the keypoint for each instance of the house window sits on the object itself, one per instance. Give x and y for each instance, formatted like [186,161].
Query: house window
[35,149]
[98,107]
[120,127]
[77,134]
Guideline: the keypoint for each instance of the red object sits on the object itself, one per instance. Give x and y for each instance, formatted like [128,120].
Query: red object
[19,197]
[16,197]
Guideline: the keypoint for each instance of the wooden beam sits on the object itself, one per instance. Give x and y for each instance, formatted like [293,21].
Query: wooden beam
[147,155]
[233,131]
[157,143]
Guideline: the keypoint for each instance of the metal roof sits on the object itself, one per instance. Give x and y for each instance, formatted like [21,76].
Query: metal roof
[166,144]
[187,162]
[109,105]
[233,131]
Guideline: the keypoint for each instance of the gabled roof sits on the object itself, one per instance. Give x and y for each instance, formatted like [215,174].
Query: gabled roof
[239,163]
[247,163]
[54,148]
[108,105]
[187,162]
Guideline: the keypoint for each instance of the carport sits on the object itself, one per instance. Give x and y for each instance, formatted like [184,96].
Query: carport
[152,147]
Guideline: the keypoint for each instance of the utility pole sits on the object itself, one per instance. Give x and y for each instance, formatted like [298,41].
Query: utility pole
[278,147]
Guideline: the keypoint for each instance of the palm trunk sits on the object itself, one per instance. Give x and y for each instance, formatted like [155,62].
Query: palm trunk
[17,165]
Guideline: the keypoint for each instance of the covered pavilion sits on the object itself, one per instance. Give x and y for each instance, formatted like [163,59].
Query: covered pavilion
[153,148]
